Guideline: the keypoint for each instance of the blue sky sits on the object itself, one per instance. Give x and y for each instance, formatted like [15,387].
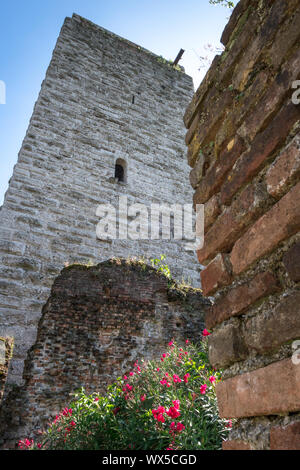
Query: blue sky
[29,30]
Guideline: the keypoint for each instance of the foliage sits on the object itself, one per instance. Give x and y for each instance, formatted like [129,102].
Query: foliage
[224,3]
[169,62]
[158,264]
[169,403]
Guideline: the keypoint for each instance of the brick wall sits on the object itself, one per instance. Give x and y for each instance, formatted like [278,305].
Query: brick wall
[84,120]
[6,349]
[244,149]
[96,323]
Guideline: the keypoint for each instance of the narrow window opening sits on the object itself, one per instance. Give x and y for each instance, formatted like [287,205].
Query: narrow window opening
[120,171]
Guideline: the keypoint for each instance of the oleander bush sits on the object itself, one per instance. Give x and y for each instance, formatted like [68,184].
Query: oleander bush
[169,403]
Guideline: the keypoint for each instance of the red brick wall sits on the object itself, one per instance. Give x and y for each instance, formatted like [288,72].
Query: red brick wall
[97,322]
[244,149]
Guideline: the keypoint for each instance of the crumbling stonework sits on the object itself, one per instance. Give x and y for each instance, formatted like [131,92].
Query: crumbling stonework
[104,100]
[97,322]
[244,149]
[6,349]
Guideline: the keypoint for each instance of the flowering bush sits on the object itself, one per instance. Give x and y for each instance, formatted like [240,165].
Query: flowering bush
[169,403]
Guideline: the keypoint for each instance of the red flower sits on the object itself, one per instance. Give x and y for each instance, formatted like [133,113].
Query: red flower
[186,378]
[173,412]
[176,378]
[205,332]
[176,404]
[180,427]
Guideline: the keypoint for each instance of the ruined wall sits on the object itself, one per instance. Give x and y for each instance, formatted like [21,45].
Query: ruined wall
[97,322]
[6,349]
[103,98]
[244,148]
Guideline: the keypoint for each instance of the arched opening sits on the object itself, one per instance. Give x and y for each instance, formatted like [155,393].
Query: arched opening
[120,171]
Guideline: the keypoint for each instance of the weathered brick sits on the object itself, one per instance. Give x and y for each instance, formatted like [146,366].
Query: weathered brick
[279,223]
[240,8]
[215,176]
[201,92]
[285,169]
[285,437]
[243,36]
[238,299]
[87,335]
[233,222]
[291,261]
[269,103]
[207,123]
[233,122]
[268,331]
[211,211]
[226,346]
[273,389]
[236,445]
[217,274]
[261,150]
[265,34]
[287,37]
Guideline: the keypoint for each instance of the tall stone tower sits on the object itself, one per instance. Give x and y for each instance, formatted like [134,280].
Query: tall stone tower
[107,123]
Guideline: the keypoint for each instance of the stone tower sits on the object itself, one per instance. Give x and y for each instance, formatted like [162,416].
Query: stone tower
[107,123]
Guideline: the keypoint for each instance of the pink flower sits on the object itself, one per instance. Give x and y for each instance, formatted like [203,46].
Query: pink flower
[205,332]
[176,404]
[164,355]
[125,377]
[39,446]
[170,343]
[143,397]
[129,387]
[176,378]
[203,389]
[96,399]
[157,369]
[187,341]
[131,373]
[158,414]
[164,382]
[180,427]
[186,378]
[25,444]
[228,424]
[173,412]
[212,379]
